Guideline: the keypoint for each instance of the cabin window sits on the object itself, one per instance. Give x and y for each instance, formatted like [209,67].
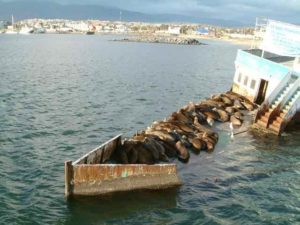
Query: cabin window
[240,78]
[252,85]
[246,80]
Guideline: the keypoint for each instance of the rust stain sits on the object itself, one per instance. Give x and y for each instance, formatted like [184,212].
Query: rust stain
[99,172]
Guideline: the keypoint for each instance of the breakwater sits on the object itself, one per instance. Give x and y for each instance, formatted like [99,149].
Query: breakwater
[162,40]
[188,129]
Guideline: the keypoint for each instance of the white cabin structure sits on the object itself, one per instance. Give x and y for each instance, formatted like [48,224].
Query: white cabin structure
[269,76]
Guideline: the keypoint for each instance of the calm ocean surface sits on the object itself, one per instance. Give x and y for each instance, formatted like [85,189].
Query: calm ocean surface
[62,95]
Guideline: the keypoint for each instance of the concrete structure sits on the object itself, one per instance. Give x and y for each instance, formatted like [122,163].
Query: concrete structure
[174,30]
[270,76]
[92,174]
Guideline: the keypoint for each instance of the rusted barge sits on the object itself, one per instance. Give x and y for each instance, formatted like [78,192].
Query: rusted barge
[92,174]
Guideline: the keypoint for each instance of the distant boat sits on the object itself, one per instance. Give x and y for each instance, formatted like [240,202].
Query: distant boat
[26,30]
[90,32]
[40,30]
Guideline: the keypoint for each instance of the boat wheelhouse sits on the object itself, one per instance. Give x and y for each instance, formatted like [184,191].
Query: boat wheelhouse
[269,75]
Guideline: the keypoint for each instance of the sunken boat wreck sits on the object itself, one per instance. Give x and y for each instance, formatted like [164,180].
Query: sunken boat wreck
[147,159]
[266,86]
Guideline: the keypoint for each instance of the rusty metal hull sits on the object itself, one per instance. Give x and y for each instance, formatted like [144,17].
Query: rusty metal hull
[89,175]
[102,179]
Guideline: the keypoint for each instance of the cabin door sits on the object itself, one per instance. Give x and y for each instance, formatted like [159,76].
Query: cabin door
[262,91]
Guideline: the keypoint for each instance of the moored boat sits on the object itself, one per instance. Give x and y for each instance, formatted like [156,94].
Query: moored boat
[90,32]
[26,30]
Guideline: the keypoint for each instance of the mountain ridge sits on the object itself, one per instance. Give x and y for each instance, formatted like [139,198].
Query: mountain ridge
[50,10]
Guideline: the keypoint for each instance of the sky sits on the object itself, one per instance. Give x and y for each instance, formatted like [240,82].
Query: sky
[244,10]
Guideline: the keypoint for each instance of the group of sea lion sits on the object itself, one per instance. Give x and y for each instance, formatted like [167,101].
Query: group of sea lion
[187,129]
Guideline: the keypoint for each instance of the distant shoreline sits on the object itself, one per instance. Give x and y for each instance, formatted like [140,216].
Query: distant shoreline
[182,39]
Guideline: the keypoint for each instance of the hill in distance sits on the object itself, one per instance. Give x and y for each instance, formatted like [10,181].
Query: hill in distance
[49,10]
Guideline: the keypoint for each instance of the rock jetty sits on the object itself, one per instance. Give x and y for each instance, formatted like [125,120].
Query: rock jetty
[187,130]
[163,40]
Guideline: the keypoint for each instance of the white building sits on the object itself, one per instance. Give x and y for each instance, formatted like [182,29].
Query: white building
[270,76]
[174,30]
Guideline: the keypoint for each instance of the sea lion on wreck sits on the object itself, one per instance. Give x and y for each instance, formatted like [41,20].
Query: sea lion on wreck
[170,150]
[120,155]
[238,115]
[150,146]
[235,121]
[182,152]
[197,144]
[223,115]
[248,106]
[179,116]
[144,155]
[238,105]
[211,103]
[230,109]
[226,100]
[211,114]
[156,148]
[200,116]
[162,135]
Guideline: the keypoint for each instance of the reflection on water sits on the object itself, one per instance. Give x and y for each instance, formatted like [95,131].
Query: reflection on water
[114,207]
[62,95]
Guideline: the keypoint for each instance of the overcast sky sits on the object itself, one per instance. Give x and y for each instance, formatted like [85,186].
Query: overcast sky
[244,10]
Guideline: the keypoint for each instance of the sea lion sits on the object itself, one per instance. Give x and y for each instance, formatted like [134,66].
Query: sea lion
[162,135]
[209,144]
[223,116]
[196,143]
[200,127]
[212,103]
[132,156]
[210,121]
[238,115]
[150,145]
[120,155]
[230,109]
[248,106]
[144,155]
[170,150]
[217,98]
[227,100]
[235,121]
[212,114]
[139,137]
[184,127]
[189,108]
[180,117]
[185,141]
[161,150]
[183,153]
[200,116]
[238,104]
